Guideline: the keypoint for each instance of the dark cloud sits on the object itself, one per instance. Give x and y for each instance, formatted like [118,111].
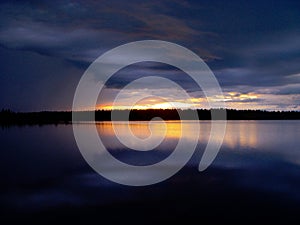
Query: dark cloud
[250,46]
[139,70]
[74,30]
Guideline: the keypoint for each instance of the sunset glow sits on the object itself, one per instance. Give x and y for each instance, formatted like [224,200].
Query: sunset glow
[161,105]
[234,100]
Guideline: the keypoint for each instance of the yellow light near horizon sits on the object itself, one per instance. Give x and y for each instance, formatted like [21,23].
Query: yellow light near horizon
[147,105]
[234,100]
[198,100]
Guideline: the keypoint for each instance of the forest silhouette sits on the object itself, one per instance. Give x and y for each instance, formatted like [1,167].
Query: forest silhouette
[8,117]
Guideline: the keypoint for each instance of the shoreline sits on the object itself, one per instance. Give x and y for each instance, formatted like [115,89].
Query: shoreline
[8,117]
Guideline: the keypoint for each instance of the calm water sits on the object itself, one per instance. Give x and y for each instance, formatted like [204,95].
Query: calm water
[255,177]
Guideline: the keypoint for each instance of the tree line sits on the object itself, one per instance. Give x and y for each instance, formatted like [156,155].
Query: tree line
[8,117]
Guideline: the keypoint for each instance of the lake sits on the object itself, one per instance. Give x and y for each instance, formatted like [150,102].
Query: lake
[255,177]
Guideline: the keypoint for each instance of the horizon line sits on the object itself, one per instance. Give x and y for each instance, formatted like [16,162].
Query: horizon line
[152,109]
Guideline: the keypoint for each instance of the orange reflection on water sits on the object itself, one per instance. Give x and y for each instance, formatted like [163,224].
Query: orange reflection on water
[242,134]
[142,129]
[238,134]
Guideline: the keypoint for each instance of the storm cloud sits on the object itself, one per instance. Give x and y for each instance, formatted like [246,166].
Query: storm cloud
[252,47]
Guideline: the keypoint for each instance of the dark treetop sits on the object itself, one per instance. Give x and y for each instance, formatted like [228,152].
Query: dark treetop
[7,117]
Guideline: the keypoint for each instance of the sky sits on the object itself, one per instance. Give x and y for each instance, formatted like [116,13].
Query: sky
[252,47]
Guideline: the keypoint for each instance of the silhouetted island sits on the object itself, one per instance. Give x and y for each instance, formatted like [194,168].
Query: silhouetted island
[8,117]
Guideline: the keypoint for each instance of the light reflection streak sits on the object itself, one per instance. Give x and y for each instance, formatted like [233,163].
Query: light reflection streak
[243,135]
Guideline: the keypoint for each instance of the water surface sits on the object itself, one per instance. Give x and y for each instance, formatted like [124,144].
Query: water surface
[256,176]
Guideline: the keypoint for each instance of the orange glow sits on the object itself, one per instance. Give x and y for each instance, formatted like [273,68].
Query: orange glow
[149,103]
[244,135]
[236,100]
[241,134]
[141,129]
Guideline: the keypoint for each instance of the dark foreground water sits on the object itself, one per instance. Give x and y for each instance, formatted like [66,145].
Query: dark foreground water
[254,179]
